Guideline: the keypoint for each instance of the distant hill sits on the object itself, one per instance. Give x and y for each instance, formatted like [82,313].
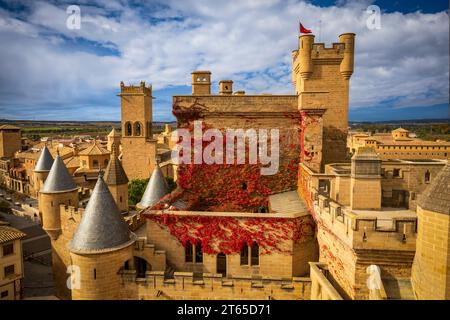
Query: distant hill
[399,122]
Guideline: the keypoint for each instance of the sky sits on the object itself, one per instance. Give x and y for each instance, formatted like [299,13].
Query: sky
[51,72]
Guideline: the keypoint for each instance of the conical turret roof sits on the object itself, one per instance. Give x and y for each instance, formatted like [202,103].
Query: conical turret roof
[45,161]
[114,173]
[59,179]
[436,197]
[114,133]
[102,227]
[155,190]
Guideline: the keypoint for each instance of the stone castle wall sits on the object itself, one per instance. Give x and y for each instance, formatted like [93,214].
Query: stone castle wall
[212,286]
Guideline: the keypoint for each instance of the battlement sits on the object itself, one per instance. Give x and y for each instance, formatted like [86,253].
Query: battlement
[379,230]
[335,53]
[135,221]
[188,285]
[71,211]
[141,89]
[309,54]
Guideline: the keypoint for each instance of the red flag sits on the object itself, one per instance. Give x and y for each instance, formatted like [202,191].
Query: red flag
[303,29]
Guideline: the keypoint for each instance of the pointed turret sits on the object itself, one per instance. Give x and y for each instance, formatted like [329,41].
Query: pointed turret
[59,189]
[114,141]
[45,161]
[102,226]
[59,178]
[117,181]
[101,246]
[114,133]
[41,170]
[155,190]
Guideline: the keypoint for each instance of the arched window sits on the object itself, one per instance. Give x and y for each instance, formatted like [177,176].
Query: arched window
[128,129]
[105,162]
[427,176]
[198,253]
[137,129]
[255,254]
[188,252]
[95,163]
[244,255]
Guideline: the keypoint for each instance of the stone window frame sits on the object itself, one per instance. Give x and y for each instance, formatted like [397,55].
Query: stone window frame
[249,252]
[8,273]
[128,129]
[192,251]
[8,252]
[138,129]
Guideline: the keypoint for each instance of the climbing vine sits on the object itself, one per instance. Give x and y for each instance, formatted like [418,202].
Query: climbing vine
[228,234]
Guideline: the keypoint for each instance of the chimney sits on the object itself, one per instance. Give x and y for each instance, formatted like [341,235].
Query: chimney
[226,87]
[201,83]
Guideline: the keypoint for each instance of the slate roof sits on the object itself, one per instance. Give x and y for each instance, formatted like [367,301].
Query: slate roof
[102,227]
[59,179]
[114,173]
[45,161]
[155,190]
[436,196]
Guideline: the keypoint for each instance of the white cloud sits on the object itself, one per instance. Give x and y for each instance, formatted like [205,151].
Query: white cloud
[406,61]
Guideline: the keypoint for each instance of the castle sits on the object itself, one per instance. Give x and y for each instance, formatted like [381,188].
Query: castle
[317,229]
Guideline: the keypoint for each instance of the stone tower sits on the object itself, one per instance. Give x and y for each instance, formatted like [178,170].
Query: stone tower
[117,181]
[42,169]
[59,190]
[226,87]
[321,78]
[201,83]
[155,190]
[365,182]
[114,140]
[10,140]
[100,247]
[138,145]
[431,267]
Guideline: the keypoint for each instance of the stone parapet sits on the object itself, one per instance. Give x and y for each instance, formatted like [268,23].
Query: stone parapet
[208,286]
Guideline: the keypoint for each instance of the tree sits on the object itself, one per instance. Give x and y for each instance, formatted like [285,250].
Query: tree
[136,190]
[171,183]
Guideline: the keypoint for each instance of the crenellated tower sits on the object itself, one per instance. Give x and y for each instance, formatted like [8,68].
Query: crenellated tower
[138,145]
[321,78]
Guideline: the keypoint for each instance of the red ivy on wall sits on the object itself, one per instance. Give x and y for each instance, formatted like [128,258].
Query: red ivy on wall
[229,234]
[235,187]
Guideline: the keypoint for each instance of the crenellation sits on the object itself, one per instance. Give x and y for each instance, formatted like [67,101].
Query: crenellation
[185,285]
